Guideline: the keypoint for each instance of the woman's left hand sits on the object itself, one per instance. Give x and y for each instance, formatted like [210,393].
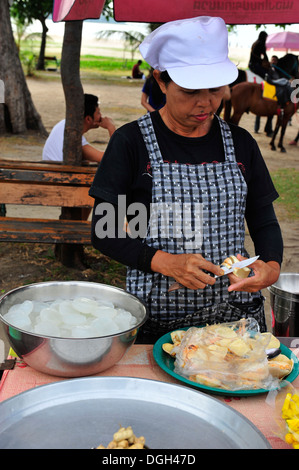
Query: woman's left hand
[265,274]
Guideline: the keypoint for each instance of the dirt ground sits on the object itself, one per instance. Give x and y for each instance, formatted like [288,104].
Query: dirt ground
[22,264]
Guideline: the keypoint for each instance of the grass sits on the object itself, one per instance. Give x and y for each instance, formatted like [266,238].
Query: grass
[286,181]
[111,64]
[113,67]
[106,68]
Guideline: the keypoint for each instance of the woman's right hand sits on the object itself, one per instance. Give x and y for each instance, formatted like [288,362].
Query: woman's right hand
[186,269]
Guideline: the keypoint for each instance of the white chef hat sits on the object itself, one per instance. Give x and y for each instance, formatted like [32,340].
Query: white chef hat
[194,52]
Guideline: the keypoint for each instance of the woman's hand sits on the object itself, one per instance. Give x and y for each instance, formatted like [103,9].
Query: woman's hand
[145,103]
[186,269]
[265,274]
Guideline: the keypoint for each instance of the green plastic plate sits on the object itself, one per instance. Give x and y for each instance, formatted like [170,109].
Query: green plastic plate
[166,362]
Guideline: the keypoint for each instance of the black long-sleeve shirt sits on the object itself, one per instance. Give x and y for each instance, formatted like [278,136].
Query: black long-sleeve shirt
[125,170]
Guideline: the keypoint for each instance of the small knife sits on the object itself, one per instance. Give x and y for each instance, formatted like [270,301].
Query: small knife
[239,264]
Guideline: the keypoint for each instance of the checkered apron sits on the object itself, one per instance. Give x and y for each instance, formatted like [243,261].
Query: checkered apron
[195,209]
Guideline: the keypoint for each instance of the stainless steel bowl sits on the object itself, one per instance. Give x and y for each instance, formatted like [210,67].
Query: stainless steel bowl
[71,357]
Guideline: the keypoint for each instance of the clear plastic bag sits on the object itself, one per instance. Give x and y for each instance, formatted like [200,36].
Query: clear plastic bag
[230,356]
[285,402]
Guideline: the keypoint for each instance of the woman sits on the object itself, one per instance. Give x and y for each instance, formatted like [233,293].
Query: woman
[196,178]
[152,97]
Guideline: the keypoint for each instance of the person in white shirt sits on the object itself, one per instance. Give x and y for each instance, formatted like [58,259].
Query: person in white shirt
[53,148]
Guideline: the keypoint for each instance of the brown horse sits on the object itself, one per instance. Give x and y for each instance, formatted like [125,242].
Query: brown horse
[248,97]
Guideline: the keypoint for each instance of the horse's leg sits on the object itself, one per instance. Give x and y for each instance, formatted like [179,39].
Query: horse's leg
[227,103]
[227,110]
[236,117]
[277,126]
[282,132]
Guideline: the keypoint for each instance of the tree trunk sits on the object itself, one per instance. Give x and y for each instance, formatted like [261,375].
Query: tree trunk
[73,92]
[41,58]
[17,113]
[72,255]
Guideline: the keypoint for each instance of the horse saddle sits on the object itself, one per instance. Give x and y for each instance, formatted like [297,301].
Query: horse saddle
[282,87]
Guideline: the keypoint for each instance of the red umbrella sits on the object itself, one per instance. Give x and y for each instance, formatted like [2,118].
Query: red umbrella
[70,10]
[157,11]
[232,11]
[285,40]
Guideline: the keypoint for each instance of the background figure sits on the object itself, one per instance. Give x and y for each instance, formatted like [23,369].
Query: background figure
[273,63]
[53,149]
[295,141]
[259,62]
[152,97]
[136,72]
[268,127]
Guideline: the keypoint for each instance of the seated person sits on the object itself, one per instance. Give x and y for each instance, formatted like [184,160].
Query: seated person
[273,64]
[136,72]
[53,149]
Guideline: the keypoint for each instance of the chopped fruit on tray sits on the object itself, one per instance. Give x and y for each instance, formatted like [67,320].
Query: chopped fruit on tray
[228,355]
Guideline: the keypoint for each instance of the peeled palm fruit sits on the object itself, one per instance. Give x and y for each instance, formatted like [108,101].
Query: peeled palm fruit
[239,347]
[280,366]
[273,343]
[177,335]
[239,272]
[168,347]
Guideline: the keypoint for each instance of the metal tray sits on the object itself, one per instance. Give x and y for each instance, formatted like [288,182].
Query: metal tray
[83,413]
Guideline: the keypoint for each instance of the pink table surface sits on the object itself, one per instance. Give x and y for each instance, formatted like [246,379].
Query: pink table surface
[139,362]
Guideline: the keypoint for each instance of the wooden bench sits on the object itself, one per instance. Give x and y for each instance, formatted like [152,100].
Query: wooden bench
[52,59]
[46,184]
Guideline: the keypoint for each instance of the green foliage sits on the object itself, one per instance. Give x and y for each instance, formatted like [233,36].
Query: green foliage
[132,39]
[108,9]
[30,10]
[28,60]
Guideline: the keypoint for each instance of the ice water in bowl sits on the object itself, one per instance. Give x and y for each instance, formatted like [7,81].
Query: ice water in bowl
[76,318]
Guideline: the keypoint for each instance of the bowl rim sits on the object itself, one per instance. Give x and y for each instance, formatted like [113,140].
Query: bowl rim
[50,283]
[282,292]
